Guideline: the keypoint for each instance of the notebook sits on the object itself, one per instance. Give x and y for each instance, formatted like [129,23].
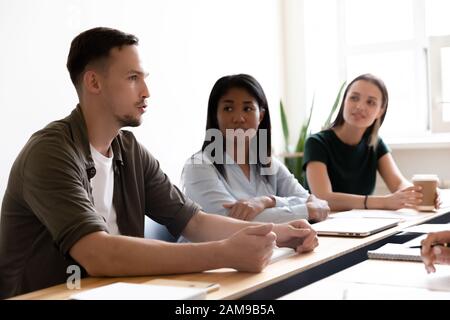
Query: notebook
[395,251]
[133,291]
[353,227]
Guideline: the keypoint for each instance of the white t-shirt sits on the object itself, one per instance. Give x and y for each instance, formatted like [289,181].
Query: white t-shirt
[102,189]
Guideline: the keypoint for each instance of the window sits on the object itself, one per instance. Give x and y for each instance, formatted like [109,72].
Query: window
[439,57]
[389,39]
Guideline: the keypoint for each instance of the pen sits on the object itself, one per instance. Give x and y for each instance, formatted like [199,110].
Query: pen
[445,244]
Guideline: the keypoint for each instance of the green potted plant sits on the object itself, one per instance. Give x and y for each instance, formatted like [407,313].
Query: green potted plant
[293,158]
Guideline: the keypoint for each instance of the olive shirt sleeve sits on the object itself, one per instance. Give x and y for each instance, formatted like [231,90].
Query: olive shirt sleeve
[164,202]
[53,189]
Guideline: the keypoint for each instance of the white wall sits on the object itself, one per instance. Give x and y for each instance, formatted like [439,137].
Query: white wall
[294,94]
[420,160]
[186,45]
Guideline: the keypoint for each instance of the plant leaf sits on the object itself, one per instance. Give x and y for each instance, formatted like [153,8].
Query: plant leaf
[304,130]
[285,126]
[335,105]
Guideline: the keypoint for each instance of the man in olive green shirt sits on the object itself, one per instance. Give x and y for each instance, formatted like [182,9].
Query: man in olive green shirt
[79,190]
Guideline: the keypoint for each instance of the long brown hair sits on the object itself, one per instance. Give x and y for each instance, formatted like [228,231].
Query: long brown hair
[252,86]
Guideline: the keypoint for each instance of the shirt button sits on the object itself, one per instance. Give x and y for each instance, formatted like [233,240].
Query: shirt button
[91,172]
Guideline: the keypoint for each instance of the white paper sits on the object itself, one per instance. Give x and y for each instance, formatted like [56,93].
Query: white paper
[281,253]
[133,291]
[429,227]
[385,292]
[402,274]
[415,242]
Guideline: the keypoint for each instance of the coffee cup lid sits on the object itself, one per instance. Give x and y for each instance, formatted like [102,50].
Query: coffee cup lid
[425,177]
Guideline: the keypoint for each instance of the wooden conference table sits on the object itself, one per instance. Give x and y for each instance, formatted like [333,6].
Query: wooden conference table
[278,279]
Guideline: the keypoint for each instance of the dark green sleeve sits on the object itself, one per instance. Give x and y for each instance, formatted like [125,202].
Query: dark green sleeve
[53,189]
[382,148]
[164,202]
[315,150]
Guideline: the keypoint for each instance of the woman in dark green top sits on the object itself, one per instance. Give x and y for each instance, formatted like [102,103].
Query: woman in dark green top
[341,163]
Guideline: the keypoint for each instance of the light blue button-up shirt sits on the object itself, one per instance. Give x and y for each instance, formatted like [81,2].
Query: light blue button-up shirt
[202,183]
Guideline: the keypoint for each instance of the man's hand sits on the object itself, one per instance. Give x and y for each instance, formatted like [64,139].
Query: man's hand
[248,209]
[318,209]
[435,250]
[250,249]
[297,234]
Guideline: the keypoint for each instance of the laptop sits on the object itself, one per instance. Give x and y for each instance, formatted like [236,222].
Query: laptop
[353,227]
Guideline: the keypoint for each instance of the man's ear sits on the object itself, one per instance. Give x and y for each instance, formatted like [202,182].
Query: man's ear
[91,82]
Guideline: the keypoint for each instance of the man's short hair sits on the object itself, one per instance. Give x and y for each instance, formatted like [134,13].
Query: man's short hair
[93,45]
